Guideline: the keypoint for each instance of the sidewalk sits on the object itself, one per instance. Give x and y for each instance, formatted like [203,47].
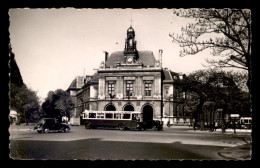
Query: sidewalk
[22,127]
[241,152]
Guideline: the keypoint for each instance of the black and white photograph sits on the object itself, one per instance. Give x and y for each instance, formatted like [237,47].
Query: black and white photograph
[130,84]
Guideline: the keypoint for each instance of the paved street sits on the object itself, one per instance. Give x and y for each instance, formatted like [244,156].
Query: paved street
[177,142]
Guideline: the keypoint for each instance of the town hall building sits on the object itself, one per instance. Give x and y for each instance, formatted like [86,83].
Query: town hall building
[133,80]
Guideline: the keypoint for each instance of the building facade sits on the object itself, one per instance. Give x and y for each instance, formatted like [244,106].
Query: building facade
[73,89]
[130,80]
[133,80]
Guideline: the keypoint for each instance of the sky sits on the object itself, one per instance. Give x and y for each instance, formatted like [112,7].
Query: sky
[53,46]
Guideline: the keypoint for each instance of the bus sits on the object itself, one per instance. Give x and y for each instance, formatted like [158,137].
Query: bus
[246,122]
[118,119]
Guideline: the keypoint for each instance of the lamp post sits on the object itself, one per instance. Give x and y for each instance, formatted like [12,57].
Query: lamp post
[169,121]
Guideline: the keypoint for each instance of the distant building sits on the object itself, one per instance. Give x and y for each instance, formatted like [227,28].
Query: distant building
[87,95]
[173,99]
[73,89]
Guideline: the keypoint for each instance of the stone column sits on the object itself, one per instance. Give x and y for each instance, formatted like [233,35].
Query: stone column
[120,87]
[101,88]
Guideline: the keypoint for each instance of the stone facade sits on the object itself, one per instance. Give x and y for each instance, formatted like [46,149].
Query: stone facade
[133,80]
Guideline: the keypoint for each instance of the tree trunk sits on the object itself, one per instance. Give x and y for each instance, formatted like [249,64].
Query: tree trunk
[200,114]
[223,121]
[25,118]
[202,125]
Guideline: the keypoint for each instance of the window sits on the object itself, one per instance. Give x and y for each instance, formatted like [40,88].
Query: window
[126,116]
[166,92]
[92,115]
[109,115]
[111,88]
[129,88]
[117,116]
[100,115]
[148,89]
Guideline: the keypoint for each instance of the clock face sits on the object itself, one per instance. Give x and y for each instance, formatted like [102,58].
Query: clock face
[129,60]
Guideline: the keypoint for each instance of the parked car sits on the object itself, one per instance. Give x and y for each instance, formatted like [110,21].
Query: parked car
[152,124]
[51,124]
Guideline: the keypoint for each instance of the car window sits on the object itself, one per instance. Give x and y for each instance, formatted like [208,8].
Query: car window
[49,122]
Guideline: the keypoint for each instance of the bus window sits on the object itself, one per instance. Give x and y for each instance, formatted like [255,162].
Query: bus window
[92,115]
[109,115]
[100,115]
[126,116]
[117,116]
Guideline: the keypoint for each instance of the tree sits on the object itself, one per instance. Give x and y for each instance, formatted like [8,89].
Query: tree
[64,103]
[221,88]
[227,32]
[57,104]
[195,86]
[23,100]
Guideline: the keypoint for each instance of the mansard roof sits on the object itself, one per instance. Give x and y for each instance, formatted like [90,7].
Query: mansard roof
[95,78]
[76,84]
[146,57]
[170,77]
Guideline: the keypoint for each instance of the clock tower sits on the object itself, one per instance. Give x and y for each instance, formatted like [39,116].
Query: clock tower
[130,52]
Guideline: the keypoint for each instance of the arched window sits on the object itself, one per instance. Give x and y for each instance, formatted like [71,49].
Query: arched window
[110,107]
[129,108]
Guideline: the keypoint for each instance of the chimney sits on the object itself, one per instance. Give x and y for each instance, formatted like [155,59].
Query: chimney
[160,57]
[106,56]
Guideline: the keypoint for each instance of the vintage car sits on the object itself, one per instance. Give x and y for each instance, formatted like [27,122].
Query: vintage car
[51,124]
[152,124]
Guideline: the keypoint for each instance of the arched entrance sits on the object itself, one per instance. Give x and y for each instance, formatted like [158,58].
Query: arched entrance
[129,108]
[110,107]
[147,113]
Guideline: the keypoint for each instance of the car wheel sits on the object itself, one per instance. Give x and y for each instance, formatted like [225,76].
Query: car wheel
[46,130]
[88,126]
[66,130]
[39,131]
[121,126]
[154,128]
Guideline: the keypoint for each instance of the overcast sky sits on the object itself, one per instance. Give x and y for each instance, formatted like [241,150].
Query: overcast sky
[53,46]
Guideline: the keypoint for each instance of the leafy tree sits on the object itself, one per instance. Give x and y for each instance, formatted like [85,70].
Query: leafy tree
[23,100]
[227,32]
[58,104]
[195,86]
[205,86]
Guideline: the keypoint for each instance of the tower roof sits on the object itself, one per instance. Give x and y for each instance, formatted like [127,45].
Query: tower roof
[146,57]
[130,29]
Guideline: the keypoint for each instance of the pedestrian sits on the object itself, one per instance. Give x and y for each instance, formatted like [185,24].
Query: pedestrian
[234,126]
[215,126]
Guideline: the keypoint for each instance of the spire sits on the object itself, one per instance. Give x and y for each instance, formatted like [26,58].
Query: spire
[131,20]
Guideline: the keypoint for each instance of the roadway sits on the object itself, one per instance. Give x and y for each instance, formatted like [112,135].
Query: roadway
[173,143]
